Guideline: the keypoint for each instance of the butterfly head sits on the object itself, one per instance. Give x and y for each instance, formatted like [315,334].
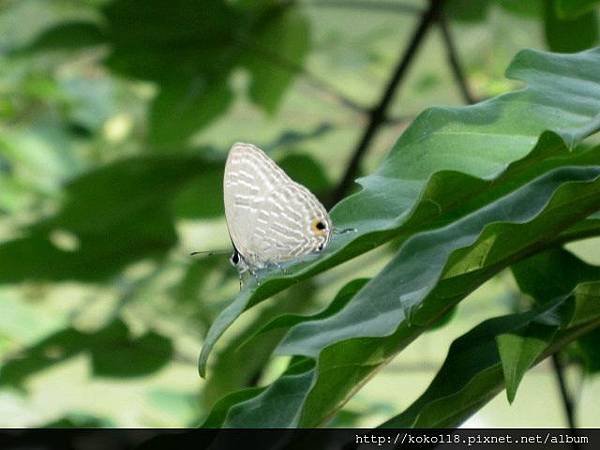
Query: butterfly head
[237,261]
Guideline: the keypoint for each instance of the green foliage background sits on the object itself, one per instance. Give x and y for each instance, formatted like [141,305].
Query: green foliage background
[115,120]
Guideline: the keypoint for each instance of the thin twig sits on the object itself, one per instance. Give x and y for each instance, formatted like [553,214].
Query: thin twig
[316,81]
[452,53]
[377,116]
[568,405]
[387,6]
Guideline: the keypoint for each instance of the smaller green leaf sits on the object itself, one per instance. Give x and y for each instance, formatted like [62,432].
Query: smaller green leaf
[519,350]
[570,35]
[67,36]
[588,350]
[549,274]
[531,8]
[183,107]
[306,171]
[466,10]
[54,349]
[97,230]
[116,354]
[79,420]
[570,9]
[202,197]
[281,42]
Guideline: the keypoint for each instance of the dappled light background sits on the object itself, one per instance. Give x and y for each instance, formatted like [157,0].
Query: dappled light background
[115,120]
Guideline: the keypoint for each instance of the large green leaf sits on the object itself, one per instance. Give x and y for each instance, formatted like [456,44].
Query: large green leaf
[431,176]
[420,284]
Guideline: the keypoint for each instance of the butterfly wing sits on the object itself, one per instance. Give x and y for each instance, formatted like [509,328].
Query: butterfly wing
[270,217]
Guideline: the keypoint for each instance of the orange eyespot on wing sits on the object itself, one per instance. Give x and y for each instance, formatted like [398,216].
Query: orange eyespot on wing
[318,227]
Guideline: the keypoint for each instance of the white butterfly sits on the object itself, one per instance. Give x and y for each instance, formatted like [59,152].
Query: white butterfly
[271,218]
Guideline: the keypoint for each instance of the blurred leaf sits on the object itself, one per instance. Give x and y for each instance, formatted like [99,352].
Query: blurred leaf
[202,197]
[54,349]
[113,352]
[174,402]
[570,9]
[530,8]
[569,35]
[67,36]
[428,180]
[159,41]
[79,420]
[116,354]
[303,169]
[193,279]
[190,48]
[472,372]
[115,215]
[467,10]
[288,32]
[184,106]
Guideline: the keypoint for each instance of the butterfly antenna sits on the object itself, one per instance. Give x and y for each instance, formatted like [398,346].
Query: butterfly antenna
[210,252]
[344,231]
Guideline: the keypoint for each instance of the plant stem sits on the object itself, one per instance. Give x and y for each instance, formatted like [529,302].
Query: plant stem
[452,53]
[322,84]
[568,405]
[377,115]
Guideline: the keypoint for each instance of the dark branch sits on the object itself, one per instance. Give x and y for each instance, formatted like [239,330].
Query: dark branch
[291,66]
[377,116]
[453,60]
[568,405]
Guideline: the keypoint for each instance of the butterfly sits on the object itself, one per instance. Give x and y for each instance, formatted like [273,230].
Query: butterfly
[271,218]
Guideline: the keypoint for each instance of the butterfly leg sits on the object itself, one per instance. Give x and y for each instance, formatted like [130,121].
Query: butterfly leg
[280,267]
[254,273]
